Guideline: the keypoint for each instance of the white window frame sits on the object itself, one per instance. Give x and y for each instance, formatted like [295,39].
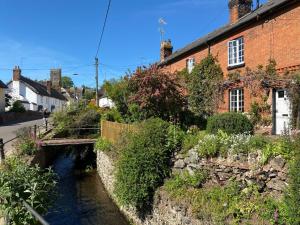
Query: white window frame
[236,100]
[236,52]
[190,64]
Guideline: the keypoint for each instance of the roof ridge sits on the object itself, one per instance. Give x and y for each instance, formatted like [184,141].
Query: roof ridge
[218,32]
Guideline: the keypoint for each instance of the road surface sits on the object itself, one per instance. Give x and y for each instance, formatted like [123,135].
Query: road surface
[8,131]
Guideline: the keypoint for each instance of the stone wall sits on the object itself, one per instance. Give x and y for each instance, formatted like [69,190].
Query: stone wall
[12,117]
[165,212]
[245,168]
[271,178]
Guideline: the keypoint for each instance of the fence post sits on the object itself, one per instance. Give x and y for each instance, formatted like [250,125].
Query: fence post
[35,131]
[2,155]
[46,123]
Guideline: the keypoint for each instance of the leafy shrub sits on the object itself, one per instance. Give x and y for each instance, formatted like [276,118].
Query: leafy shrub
[87,118]
[144,163]
[175,137]
[221,144]
[28,147]
[223,205]
[19,181]
[26,143]
[191,140]
[103,145]
[292,196]
[65,122]
[112,115]
[231,123]
[18,107]
[284,146]
[185,180]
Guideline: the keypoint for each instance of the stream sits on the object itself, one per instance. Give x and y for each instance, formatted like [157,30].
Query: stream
[82,199]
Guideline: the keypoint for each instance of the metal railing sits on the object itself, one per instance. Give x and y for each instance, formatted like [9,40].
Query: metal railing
[36,132]
[33,213]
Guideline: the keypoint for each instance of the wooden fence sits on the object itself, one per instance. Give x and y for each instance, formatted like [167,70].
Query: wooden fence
[113,131]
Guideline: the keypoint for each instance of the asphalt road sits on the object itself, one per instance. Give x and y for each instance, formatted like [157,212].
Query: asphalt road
[8,131]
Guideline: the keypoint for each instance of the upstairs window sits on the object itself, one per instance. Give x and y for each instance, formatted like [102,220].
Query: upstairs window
[190,64]
[236,52]
[236,100]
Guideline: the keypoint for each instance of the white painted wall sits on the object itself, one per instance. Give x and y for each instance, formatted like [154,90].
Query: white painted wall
[106,103]
[2,100]
[20,91]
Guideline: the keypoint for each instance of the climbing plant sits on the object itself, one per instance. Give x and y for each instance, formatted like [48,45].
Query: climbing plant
[205,87]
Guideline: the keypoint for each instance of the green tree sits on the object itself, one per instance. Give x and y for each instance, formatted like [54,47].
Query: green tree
[18,107]
[67,82]
[204,87]
[118,91]
[88,93]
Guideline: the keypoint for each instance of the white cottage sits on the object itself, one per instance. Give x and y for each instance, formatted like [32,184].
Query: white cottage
[2,96]
[36,96]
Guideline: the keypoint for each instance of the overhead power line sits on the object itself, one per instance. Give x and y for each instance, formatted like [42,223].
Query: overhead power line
[49,68]
[103,29]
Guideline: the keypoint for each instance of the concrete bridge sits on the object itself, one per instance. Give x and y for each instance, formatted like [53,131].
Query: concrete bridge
[61,142]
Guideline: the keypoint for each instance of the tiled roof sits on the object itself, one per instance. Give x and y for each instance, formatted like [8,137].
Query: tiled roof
[42,89]
[2,85]
[267,8]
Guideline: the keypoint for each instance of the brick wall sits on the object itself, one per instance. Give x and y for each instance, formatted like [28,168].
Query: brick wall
[276,37]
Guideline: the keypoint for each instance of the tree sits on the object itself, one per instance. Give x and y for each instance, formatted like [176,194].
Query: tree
[67,82]
[205,87]
[88,93]
[118,91]
[18,107]
[157,93]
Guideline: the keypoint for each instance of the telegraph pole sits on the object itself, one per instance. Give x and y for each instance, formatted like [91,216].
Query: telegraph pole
[97,65]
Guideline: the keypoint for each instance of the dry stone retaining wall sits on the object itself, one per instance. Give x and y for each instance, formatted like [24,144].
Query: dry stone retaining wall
[165,212]
[271,178]
[248,169]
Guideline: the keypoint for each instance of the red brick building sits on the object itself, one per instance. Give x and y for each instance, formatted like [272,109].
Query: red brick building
[251,38]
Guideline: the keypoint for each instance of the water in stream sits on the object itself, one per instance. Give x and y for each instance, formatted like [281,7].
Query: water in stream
[82,198]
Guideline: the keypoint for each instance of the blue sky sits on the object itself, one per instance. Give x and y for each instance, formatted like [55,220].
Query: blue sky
[41,34]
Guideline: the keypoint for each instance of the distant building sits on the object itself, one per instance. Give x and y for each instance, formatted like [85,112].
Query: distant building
[105,101]
[252,37]
[2,96]
[36,96]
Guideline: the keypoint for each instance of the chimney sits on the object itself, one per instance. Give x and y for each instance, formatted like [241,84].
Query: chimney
[49,86]
[238,9]
[55,78]
[166,49]
[16,73]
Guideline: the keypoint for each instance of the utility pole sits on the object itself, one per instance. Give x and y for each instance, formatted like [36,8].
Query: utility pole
[97,65]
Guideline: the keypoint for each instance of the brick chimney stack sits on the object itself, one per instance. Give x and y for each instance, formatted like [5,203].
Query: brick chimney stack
[49,86]
[238,9]
[55,78]
[166,49]
[16,73]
